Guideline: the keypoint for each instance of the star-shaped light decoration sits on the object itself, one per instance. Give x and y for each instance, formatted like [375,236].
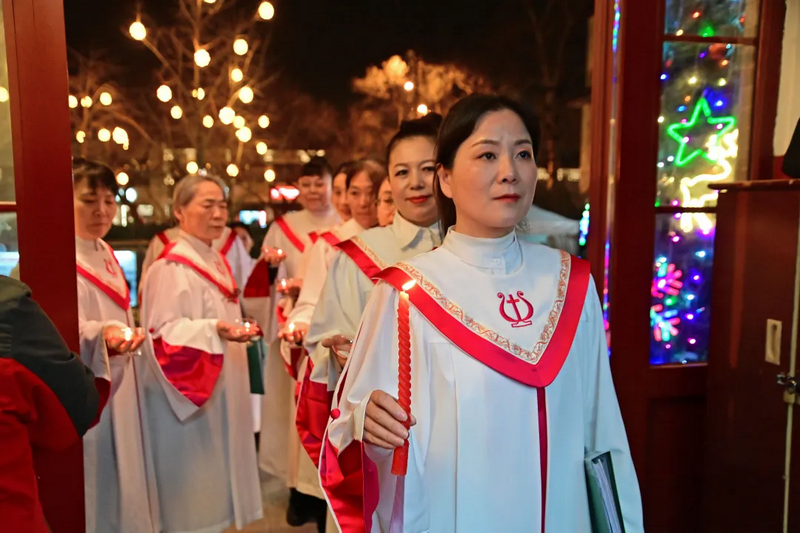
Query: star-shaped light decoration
[681,133]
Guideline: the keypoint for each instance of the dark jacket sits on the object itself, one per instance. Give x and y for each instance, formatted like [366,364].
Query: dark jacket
[48,400]
[791,161]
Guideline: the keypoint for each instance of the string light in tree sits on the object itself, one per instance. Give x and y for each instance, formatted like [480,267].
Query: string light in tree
[138,31]
[246,94]
[237,75]
[105,98]
[202,58]
[240,47]
[227,115]
[261,148]
[208,121]
[266,11]
[263,121]
[164,93]
[176,112]
[73,102]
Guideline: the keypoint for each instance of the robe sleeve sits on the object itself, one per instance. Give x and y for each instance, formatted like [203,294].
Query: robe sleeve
[342,299]
[241,263]
[604,429]
[94,351]
[187,351]
[317,261]
[356,477]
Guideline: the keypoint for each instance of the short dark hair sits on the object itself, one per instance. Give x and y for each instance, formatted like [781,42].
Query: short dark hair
[458,125]
[94,174]
[317,166]
[427,126]
[375,171]
[344,167]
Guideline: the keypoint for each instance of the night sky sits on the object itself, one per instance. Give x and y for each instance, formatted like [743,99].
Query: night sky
[320,45]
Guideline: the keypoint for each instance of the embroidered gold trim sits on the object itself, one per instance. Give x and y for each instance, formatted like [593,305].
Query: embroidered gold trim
[369,252]
[530,356]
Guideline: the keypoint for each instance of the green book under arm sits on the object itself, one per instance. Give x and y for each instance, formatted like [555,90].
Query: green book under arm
[604,507]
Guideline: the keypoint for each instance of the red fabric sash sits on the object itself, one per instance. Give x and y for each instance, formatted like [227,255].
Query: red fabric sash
[314,236]
[331,238]
[290,234]
[313,410]
[230,294]
[361,259]
[534,375]
[228,243]
[350,480]
[192,372]
[163,237]
[122,300]
[258,285]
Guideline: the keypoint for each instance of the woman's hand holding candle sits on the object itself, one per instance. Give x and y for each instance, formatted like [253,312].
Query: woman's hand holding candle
[273,256]
[123,339]
[384,425]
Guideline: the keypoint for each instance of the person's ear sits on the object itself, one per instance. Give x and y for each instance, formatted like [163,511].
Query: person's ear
[445,177]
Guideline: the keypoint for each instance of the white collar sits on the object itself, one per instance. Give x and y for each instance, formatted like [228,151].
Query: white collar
[409,234]
[497,256]
[87,246]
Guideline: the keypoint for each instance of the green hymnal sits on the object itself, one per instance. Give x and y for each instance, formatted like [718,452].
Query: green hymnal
[604,505]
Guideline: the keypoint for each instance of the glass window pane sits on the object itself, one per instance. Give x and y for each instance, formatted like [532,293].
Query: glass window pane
[704,126]
[9,249]
[712,18]
[6,149]
[681,289]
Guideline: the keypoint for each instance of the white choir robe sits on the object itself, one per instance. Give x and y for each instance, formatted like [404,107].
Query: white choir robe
[118,496]
[510,387]
[338,312]
[301,472]
[292,234]
[197,394]
[229,244]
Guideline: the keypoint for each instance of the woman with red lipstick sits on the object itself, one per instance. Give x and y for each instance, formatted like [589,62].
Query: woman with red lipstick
[500,346]
[414,230]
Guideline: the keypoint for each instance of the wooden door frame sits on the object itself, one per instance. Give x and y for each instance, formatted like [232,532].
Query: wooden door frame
[41,136]
[625,216]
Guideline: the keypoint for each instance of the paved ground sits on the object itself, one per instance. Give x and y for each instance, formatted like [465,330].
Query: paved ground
[276,497]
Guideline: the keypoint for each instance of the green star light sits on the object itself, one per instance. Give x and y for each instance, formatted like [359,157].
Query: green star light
[679,132]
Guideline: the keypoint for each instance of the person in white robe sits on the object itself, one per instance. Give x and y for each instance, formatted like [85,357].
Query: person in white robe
[287,239]
[386,207]
[414,230]
[479,379]
[196,384]
[117,494]
[362,181]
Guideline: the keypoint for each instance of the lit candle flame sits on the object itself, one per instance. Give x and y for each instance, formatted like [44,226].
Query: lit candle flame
[128,334]
[291,327]
[408,286]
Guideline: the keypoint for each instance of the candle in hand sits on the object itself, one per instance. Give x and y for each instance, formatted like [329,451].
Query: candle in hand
[400,458]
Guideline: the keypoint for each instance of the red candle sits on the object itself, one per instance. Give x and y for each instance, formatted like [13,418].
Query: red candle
[400,458]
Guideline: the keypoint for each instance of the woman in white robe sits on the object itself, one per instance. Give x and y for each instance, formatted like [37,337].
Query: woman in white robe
[414,230]
[362,181]
[117,494]
[196,387]
[287,238]
[503,357]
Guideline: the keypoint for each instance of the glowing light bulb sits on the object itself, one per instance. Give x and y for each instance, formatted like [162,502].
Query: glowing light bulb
[120,136]
[246,94]
[263,121]
[679,33]
[722,82]
[208,121]
[244,134]
[226,115]
[660,120]
[409,86]
[237,75]
[105,98]
[240,47]
[192,167]
[266,11]
[104,135]
[232,170]
[138,31]
[692,80]
[422,109]
[80,136]
[261,148]
[176,112]
[73,102]
[269,175]
[202,58]
[238,122]
[199,93]
[164,93]
[86,101]
[123,179]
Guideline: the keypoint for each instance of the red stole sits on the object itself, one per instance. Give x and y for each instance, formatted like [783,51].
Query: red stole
[290,234]
[486,345]
[122,299]
[363,256]
[228,243]
[230,292]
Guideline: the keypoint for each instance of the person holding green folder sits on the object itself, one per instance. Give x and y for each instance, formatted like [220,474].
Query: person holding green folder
[497,350]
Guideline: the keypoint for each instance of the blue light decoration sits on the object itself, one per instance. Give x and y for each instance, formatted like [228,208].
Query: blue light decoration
[615,29]
[584,226]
